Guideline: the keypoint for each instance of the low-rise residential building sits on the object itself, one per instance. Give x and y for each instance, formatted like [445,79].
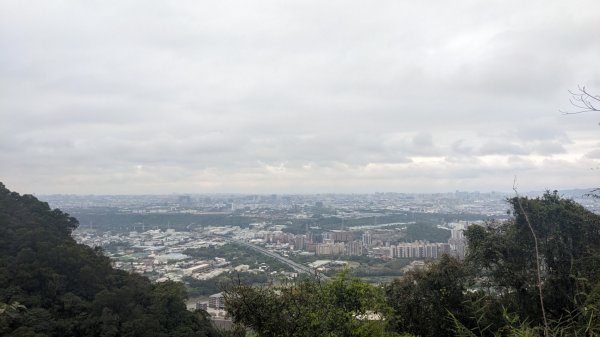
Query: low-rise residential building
[216,301]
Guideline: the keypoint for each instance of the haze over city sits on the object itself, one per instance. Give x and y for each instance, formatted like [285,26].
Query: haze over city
[137,97]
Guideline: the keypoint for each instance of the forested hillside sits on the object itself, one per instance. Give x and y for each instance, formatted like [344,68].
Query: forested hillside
[52,286]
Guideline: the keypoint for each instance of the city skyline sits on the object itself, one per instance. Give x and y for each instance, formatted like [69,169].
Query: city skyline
[297,97]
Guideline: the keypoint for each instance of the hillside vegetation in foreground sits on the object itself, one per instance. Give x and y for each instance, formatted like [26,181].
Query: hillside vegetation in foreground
[52,286]
[535,275]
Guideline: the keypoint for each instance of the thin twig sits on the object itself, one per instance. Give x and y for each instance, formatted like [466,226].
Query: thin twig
[537,259]
[583,100]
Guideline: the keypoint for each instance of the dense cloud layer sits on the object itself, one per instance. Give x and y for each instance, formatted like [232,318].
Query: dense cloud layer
[296,96]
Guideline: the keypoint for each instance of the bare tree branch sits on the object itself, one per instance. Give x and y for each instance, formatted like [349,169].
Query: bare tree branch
[583,100]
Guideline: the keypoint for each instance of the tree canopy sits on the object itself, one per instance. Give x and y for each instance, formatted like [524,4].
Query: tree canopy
[343,306]
[52,286]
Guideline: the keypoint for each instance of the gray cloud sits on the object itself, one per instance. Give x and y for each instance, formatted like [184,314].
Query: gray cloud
[293,96]
[500,148]
[594,154]
[549,148]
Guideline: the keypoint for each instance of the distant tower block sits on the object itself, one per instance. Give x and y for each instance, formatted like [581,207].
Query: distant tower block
[184,200]
[367,240]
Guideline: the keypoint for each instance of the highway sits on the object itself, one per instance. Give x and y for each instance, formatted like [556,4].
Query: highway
[294,265]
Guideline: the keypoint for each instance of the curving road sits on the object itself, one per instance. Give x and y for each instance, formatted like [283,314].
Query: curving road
[294,265]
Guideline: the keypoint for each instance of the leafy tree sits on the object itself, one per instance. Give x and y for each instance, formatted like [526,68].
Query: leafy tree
[422,299]
[343,306]
[495,292]
[52,286]
[426,231]
[568,239]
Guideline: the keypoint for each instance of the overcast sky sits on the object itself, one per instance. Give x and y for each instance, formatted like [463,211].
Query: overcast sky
[130,97]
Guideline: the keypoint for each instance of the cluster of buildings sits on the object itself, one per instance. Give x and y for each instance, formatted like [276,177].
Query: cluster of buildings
[420,249]
[384,243]
[159,254]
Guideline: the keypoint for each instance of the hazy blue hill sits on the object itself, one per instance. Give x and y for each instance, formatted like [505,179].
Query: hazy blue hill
[52,286]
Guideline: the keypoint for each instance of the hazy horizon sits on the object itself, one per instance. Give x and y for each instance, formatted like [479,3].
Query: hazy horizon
[529,192]
[296,97]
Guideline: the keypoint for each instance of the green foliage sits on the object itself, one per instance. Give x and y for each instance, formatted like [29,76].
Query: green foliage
[111,219]
[426,231]
[429,220]
[495,291]
[502,260]
[513,327]
[422,298]
[569,245]
[578,323]
[51,286]
[343,306]
[215,284]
